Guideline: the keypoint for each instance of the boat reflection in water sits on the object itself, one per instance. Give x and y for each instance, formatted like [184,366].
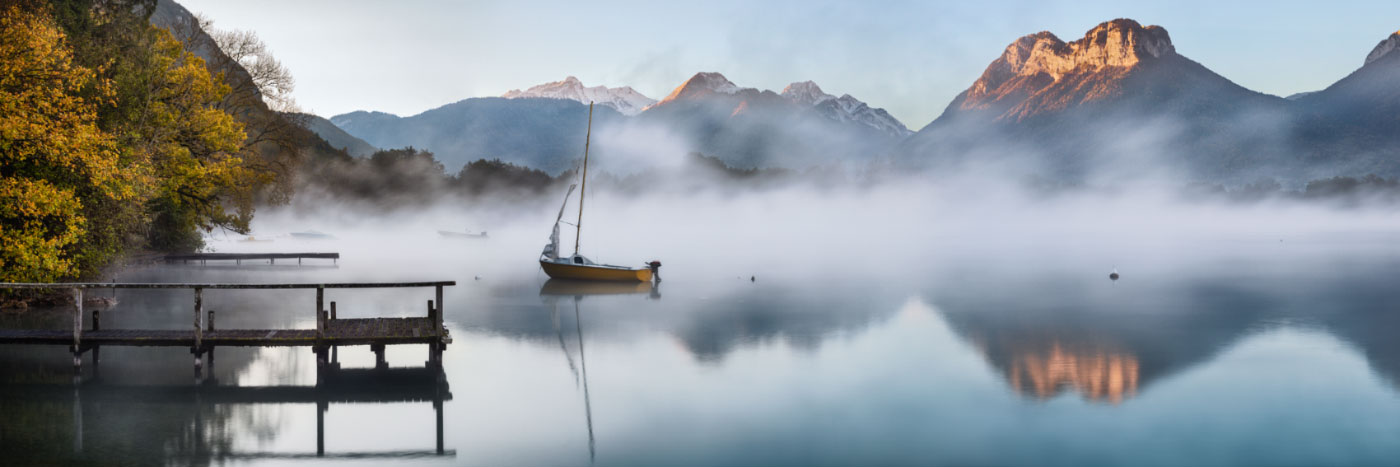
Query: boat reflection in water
[1099,374]
[555,289]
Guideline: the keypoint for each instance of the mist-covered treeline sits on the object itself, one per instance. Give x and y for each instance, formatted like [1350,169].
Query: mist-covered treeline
[409,177]
[1339,191]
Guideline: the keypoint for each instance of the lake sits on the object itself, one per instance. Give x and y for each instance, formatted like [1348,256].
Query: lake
[1237,349]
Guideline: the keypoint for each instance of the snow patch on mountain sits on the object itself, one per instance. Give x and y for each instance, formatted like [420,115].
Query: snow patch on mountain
[623,99]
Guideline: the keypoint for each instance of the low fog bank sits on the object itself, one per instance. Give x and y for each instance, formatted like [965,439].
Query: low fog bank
[712,224]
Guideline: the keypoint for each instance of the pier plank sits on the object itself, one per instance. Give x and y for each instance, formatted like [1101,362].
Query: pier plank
[360,331]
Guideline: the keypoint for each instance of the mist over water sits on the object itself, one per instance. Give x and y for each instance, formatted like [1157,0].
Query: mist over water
[899,321]
[888,227]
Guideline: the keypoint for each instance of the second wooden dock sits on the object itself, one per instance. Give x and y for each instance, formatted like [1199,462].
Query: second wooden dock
[238,258]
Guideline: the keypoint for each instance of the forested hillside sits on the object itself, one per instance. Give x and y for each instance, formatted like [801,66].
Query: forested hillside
[115,136]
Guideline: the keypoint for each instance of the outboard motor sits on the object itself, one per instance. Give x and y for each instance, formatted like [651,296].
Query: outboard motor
[655,270]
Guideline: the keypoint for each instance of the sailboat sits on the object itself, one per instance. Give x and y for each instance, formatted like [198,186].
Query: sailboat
[576,266]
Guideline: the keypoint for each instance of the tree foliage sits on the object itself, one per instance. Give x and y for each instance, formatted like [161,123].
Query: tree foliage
[194,149]
[259,96]
[113,136]
[54,158]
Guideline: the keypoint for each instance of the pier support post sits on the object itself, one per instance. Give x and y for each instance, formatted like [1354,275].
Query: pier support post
[198,328]
[321,407]
[437,407]
[77,328]
[434,348]
[379,361]
[335,350]
[320,315]
[437,315]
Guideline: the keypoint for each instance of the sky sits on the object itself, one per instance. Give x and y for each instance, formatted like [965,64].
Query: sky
[908,57]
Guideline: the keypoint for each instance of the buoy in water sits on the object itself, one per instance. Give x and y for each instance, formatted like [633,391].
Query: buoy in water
[1113,276]
[753,278]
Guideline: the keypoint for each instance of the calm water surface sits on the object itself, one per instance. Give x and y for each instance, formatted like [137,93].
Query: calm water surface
[1260,352]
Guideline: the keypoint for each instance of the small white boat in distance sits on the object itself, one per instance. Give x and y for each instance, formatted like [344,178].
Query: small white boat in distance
[455,234]
[312,235]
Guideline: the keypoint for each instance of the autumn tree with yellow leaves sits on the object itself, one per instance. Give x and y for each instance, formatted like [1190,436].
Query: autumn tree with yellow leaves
[53,157]
[111,138]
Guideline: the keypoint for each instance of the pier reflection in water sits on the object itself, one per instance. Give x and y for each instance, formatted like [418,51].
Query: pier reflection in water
[94,403]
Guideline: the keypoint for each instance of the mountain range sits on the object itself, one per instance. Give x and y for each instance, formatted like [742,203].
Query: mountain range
[1118,101]
[542,127]
[545,134]
[748,127]
[1122,100]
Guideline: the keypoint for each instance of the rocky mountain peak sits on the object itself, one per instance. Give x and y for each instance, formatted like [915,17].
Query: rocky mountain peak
[702,84]
[1117,43]
[806,92]
[1385,47]
[623,99]
[843,109]
[1041,62]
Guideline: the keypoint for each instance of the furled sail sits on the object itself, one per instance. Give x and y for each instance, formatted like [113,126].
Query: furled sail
[551,250]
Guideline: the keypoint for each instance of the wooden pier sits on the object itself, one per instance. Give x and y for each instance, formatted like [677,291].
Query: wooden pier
[201,338]
[238,258]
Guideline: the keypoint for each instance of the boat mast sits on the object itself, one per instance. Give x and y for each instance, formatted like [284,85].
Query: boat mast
[584,186]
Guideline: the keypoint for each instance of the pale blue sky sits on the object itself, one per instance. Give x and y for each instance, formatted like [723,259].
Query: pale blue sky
[910,58]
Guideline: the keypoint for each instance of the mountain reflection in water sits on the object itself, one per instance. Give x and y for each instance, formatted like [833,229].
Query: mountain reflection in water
[1098,374]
